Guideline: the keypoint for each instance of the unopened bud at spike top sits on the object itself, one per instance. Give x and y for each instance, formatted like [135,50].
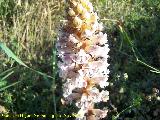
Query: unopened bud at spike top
[71,12]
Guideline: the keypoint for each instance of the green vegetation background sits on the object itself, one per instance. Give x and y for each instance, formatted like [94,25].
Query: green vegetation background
[29,29]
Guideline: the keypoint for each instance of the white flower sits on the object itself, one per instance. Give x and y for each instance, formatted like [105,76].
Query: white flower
[81,114]
[86,72]
[80,82]
[94,17]
[98,51]
[67,88]
[81,57]
[64,69]
[90,7]
[73,39]
[102,38]
[88,33]
[95,26]
[100,27]
[103,83]
[97,40]
[95,69]
[94,95]
[72,97]
[67,59]
[86,15]
[83,103]
[104,95]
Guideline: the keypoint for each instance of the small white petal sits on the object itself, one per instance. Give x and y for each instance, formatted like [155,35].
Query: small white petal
[104,95]
[73,39]
[81,57]
[88,33]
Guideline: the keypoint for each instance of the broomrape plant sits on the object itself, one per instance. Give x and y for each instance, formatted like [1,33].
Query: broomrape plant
[83,52]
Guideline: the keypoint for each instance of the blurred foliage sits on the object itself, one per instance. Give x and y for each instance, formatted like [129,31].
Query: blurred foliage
[30,27]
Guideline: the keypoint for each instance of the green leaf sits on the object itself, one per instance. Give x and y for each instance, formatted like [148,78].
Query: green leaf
[1,1]
[1,89]
[11,54]
[6,76]
[5,72]
[3,83]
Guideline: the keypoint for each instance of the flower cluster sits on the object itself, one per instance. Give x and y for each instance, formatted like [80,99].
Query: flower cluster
[83,52]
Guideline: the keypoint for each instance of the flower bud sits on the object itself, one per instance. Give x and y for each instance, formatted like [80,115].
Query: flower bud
[80,8]
[77,22]
[71,12]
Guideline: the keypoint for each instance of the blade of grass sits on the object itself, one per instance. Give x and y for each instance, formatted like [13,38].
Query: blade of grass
[128,39]
[13,56]
[158,72]
[153,69]
[40,73]
[54,76]
[130,42]
[5,72]
[4,88]
[136,102]
[3,82]
[126,109]
[3,78]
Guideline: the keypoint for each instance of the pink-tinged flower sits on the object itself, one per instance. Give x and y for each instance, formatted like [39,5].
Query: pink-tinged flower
[83,60]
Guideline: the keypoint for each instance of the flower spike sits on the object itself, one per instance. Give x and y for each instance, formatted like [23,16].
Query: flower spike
[83,52]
